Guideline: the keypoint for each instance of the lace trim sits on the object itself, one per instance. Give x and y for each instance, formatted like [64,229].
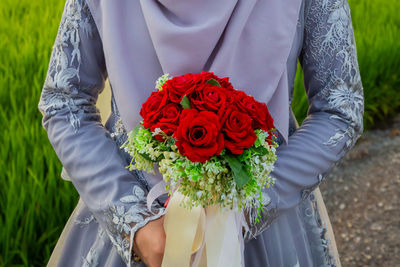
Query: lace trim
[119,135]
[85,221]
[331,47]
[314,222]
[91,259]
[100,234]
[60,90]
[123,223]
[268,215]
[119,128]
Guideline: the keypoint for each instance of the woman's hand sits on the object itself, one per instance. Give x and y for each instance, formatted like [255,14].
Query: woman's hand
[149,242]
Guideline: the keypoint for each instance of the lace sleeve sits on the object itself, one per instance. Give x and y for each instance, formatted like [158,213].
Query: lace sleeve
[335,116]
[75,77]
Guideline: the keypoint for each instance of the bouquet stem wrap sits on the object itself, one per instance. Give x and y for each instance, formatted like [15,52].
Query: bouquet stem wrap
[200,237]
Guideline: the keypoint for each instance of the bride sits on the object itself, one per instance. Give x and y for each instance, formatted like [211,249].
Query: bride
[256,44]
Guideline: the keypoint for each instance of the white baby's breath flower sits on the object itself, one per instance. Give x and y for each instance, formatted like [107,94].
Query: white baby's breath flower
[157,131]
[160,81]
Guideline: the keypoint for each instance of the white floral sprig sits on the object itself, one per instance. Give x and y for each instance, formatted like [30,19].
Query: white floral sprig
[160,81]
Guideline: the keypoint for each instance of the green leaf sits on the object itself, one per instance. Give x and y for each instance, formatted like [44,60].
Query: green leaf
[240,174]
[171,141]
[260,150]
[214,82]
[160,158]
[146,156]
[136,129]
[185,102]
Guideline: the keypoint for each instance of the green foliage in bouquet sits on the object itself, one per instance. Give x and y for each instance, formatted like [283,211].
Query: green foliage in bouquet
[215,182]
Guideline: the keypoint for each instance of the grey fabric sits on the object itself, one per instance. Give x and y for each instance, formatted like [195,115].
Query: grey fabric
[247,40]
[290,232]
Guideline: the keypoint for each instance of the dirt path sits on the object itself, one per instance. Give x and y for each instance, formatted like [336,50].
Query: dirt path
[362,195]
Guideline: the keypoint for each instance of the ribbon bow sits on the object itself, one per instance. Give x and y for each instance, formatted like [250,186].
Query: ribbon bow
[200,237]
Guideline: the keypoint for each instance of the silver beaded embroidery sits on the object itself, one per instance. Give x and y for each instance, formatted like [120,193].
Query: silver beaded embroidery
[330,46]
[61,87]
[125,219]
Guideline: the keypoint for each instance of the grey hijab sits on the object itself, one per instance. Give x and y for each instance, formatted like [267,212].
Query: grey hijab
[247,40]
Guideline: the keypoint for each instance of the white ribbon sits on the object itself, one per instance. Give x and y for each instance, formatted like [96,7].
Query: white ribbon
[215,237]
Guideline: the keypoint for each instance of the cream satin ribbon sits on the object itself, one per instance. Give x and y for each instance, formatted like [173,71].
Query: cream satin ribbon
[200,237]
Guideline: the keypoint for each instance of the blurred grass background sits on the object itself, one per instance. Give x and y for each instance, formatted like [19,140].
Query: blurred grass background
[35,202]
[377,33]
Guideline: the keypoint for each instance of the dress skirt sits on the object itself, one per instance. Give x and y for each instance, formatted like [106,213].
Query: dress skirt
[302,236]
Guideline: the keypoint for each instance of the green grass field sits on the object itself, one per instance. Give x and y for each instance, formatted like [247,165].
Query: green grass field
[35,202]
[377,33]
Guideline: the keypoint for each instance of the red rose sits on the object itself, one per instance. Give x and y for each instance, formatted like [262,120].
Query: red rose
[238,131]
[151,108]
[210,97]
[199,135]
[257,111]
[179,86]
[167,120]
[224,82]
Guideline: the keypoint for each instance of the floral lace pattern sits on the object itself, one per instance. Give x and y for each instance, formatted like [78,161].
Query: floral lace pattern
[314,222]
[267,216]
[330,47]
[125,220]
[92,259]
[86,221]
[317,232]
[118,129]
[119,134]
[60,90]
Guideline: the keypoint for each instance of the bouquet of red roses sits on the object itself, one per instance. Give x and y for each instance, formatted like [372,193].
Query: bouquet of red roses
[212,143]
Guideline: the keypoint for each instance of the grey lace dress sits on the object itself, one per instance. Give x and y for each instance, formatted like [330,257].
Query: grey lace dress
[294,230]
